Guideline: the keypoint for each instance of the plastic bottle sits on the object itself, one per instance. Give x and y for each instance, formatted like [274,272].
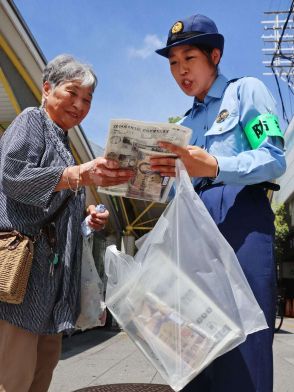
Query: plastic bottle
[86,229]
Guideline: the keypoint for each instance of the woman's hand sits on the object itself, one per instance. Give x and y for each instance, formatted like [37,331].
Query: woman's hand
[98,172]
[198,162]
[104,172]
[97,220]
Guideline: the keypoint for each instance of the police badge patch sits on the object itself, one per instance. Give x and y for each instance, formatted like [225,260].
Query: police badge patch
[177,27]
[222,116]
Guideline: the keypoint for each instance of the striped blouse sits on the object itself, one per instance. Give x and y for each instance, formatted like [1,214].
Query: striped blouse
[33,154]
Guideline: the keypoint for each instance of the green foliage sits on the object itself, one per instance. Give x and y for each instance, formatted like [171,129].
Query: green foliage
[174,119]
[282,229]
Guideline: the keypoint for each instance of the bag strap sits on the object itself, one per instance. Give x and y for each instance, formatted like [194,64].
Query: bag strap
[7,234]
[20,236]
[15,239]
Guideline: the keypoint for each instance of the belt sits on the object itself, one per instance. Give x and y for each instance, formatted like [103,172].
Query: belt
[269,186]
[208,183]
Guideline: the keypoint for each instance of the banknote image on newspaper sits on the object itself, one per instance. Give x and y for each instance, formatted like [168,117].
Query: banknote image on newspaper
[132,143]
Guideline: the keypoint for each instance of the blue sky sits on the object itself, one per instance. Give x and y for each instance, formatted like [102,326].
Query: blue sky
[118,38]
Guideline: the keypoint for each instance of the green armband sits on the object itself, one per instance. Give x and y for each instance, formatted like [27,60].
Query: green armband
[258,129]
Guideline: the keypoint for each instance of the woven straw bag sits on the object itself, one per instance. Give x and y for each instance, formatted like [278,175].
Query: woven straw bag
[16,255]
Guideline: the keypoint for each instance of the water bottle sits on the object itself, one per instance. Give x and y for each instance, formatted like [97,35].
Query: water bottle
[86,229]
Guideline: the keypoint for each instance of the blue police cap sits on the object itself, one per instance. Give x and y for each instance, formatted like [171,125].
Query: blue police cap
[195,30]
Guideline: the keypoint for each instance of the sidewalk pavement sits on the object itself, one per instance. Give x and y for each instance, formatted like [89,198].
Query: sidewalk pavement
[284,357]
[101,356]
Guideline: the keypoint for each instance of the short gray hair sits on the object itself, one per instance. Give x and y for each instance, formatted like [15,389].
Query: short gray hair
[65,68]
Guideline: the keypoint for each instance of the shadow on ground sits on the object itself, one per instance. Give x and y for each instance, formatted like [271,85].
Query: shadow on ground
[283,332]
[82,341]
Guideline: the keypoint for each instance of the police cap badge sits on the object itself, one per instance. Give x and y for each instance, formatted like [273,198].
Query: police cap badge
[177,27]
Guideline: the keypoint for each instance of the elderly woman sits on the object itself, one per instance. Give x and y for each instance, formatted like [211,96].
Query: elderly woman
[236,150]
[42,196]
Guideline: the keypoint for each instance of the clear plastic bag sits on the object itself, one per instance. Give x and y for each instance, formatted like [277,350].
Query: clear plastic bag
[183,299]
[92,302]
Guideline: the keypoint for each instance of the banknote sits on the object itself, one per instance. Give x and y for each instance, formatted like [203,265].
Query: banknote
[132,143]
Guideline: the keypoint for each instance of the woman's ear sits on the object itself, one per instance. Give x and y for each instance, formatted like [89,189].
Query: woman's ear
[46,89]
[215,56]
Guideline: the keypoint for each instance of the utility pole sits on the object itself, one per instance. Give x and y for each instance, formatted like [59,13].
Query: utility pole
[279,45]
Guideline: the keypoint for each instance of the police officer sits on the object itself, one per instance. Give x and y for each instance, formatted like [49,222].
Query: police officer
[237,149]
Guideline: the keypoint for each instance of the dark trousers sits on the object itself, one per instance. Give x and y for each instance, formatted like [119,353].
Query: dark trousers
[244,217]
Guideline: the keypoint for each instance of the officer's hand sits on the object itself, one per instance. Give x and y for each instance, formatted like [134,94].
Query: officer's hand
[97,220]
[198,162]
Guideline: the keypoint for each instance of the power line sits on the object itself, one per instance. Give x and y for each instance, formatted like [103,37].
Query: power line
[282,63]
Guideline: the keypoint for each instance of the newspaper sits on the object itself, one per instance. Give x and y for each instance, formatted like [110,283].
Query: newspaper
[132,143]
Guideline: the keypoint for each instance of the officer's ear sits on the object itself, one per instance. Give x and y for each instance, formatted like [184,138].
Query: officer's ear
[215,56]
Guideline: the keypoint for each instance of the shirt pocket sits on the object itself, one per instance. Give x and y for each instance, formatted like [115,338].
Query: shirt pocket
[226,138]
[225,126]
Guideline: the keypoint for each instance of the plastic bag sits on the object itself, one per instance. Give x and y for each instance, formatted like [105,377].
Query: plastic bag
[93,308]
[183,299]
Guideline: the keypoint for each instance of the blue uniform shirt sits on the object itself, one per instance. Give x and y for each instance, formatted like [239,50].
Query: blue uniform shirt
[244,100]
